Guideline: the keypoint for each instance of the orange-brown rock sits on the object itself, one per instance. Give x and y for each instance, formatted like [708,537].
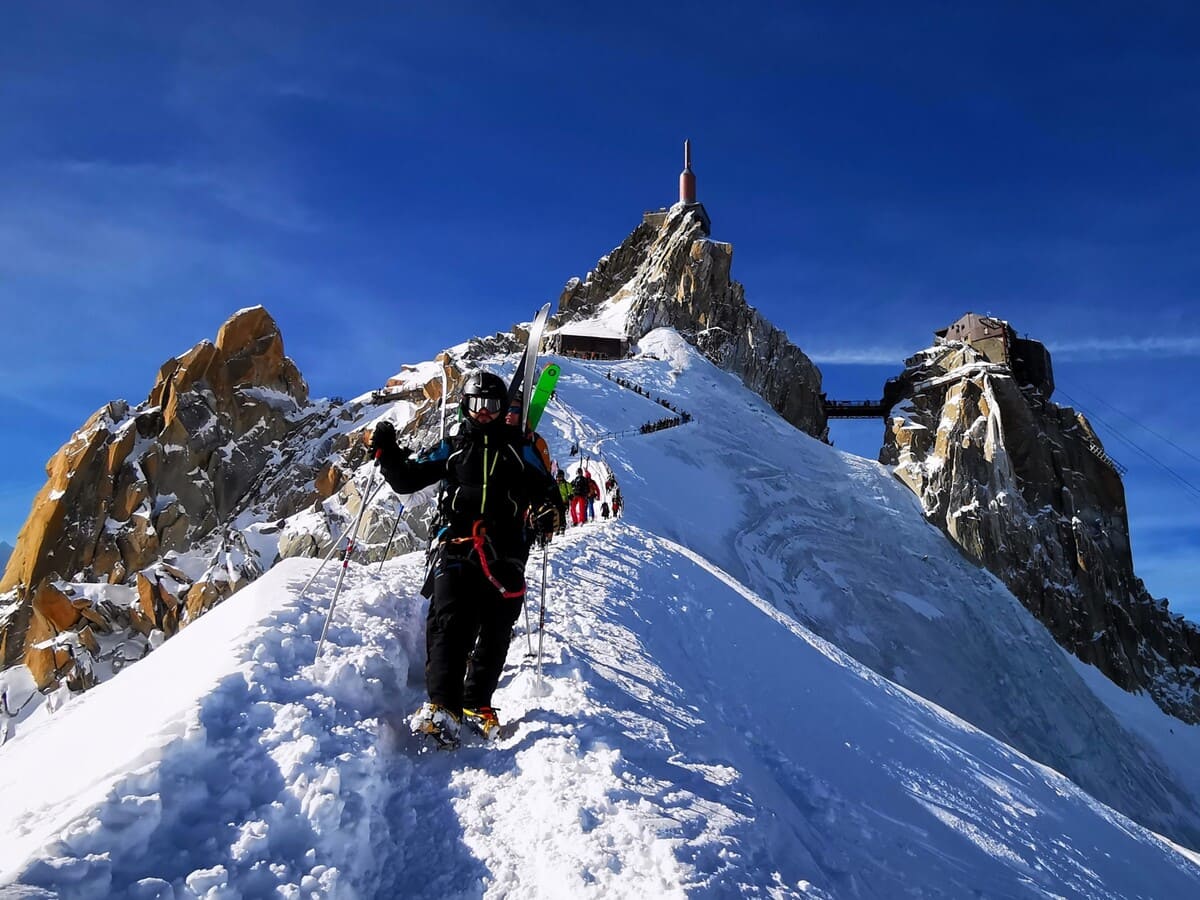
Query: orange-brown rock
[53,612]
[148,603]
[139,622]
[168,596]
[171,621]
[130,493]
[157,603]
[107,558]
[48,544]
[54,608]
[134,483]
[201,597]
[138,542]
[97,622]
[252,349]
[167,565]
[151,462]
[88,639]
[428,393]
[120,448]
[328,480]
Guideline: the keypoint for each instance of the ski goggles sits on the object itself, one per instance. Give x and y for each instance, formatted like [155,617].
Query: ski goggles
[491,404]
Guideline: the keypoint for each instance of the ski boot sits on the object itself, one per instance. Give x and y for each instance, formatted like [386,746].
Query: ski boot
[484,722]
[437,723]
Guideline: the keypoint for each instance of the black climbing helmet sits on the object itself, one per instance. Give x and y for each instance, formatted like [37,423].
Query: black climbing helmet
[484,390]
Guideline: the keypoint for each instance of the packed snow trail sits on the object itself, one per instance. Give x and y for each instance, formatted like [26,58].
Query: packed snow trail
[686,740]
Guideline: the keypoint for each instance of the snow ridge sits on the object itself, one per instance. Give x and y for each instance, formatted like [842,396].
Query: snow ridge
[691,736]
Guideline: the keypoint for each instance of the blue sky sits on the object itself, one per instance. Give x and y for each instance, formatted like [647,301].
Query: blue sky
[390,182]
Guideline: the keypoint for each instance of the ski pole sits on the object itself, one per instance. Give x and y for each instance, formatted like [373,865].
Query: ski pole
[528,631]
[349,552]
[542,612]
[332,550]
[388,548]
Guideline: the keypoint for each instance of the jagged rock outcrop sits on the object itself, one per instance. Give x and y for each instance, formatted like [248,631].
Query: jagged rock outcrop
[1024,487]
[178,502]
[669,272]
[135,484]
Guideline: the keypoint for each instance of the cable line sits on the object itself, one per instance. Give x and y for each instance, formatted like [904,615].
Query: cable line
[1121,437]
[1126,415]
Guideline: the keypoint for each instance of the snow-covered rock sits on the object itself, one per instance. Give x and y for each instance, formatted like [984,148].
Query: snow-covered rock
[670,273]
[1025,488]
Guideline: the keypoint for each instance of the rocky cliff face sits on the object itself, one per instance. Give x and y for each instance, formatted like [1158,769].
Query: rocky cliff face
[136,485]
[1024,487]
[673,274]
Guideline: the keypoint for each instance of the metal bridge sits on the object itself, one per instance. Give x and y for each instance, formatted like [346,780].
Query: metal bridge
[856,409]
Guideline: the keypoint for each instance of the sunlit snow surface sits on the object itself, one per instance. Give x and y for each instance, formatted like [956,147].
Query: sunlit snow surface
[689,737]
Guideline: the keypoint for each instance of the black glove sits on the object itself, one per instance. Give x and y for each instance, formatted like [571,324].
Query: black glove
[384,437]
[545,521]
[544,516]
[385,449]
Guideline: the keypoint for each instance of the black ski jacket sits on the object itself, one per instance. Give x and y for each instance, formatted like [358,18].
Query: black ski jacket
[490,474]
[579,485]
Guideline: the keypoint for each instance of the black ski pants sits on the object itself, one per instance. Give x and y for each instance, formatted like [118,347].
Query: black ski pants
[467,633]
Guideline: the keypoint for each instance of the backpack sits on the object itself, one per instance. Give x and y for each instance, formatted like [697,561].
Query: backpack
[539,444]
[579,485]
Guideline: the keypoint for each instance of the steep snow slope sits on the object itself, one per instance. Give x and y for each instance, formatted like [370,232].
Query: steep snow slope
[687,740]
[835,541]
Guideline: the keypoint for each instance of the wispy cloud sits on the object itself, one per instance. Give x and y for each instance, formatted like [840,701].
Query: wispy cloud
[1109,348]
[1076,350]
[859,356]
[252,193]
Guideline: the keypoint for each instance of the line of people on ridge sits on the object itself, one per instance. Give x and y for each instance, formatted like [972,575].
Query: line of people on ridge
[581,494]
[670,422]
[638,389]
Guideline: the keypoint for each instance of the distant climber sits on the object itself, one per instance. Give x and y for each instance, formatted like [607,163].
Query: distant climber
[592,496]
[582,487]
[564,491]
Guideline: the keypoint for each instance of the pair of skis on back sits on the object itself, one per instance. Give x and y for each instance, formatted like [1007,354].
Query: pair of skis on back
[534,396]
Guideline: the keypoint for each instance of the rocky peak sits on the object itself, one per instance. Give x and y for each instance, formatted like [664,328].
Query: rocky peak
[1024,487]
[669,272]
[135,484]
